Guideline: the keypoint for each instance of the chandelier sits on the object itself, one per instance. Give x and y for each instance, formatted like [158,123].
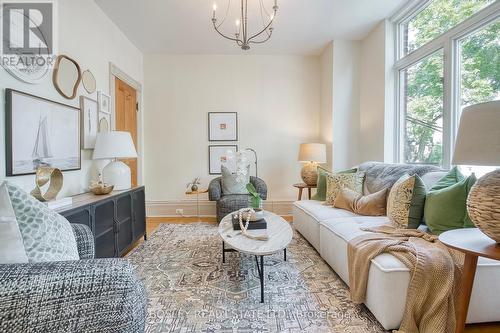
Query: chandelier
[242,36]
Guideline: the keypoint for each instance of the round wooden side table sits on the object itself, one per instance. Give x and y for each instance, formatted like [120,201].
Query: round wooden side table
[302,186]
[474,244]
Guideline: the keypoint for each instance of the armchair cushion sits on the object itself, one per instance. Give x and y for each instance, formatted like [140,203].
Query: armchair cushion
[11,242]
[100,295]
[84,241]
[47,236]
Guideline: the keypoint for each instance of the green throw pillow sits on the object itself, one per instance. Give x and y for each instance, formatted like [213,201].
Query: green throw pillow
[321,183]
[452,177]
[405,203]
[445,207]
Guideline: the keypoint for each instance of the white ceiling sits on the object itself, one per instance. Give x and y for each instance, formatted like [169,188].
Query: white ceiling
[301,26]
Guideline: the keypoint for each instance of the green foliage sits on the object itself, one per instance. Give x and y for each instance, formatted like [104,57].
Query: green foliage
[479,74]
[255,199]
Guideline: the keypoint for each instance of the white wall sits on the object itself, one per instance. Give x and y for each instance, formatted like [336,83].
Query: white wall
[346,79]
[87,35]
[278,103]
[372,94]
[326,125]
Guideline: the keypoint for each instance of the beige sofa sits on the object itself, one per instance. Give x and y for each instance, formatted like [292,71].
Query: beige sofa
[329,229]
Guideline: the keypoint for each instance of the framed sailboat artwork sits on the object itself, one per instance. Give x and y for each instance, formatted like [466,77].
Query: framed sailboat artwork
[40,132]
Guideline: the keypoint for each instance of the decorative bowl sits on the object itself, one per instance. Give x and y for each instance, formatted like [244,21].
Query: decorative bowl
[101,188]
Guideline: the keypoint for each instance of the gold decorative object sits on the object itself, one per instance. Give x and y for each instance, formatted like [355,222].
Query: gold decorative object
[100,188]
[483,204]
[53,177]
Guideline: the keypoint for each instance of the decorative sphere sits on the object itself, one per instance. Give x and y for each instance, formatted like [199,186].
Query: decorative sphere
[483,204]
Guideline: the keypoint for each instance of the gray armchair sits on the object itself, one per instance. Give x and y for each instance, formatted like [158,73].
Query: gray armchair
[89,295]
[229,203]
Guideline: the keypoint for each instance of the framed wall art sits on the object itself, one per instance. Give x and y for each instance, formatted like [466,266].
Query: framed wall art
[222,126]
[40,132]
[90,122]
[217,155]
[104,102]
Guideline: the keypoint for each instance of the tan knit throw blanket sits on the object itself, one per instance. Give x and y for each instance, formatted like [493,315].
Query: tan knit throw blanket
[435,270]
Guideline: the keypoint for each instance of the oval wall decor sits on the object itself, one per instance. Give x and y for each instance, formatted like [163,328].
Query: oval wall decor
[67,76]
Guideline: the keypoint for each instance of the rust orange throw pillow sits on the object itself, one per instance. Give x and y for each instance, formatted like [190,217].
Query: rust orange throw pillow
[370,205]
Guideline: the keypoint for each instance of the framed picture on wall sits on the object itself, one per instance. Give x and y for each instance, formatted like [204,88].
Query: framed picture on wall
[90,122]
[40,132]
[218,155]
[104,102]
[222,126]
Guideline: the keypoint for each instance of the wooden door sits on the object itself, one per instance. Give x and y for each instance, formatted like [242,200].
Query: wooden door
[126,118]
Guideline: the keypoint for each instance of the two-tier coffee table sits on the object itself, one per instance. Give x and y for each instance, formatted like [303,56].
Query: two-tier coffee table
[280,234]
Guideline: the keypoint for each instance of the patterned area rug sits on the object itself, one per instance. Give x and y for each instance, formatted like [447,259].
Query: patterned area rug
[191,290]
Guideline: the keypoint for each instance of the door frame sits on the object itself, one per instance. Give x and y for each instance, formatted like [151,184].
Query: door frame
[116,72]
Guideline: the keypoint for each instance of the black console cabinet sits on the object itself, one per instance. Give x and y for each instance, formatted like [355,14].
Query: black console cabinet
[117,220]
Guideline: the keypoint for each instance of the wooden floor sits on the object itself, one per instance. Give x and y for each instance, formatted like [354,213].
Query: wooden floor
[153,223]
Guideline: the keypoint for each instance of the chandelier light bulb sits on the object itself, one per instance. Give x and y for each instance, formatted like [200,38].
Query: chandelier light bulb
[214,6]
[238,23]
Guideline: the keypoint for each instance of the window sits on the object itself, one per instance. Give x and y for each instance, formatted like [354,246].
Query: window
[480,66]
[449,58]
[437,17]
[423,109]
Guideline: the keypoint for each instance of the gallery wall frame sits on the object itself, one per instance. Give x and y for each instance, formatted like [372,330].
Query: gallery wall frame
[222,126]
[89,109]
[40,132]
[215,154]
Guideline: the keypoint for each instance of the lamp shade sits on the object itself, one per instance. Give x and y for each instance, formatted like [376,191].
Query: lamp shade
[114,144]
[312,152]
[478,137]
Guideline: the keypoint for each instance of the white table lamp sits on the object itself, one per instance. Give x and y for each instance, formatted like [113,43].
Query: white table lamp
[311,154]
[115,145]
[478,143]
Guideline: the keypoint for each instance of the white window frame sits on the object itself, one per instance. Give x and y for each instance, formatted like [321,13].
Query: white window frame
[449,42]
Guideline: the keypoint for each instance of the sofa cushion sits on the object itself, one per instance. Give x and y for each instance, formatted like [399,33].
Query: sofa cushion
[369,205]
[338,181]
[47,236]
[321,183]
[383,175]
[321,212]
[445,208]
[405,204]
[431,178]
[349,227]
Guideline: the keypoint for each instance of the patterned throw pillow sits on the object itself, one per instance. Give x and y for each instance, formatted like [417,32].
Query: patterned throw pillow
[405,203]
[336,182]
[321,184]
[47,236]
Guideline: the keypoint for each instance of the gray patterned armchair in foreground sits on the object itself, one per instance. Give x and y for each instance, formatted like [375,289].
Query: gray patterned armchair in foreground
[229,203]
[87,295]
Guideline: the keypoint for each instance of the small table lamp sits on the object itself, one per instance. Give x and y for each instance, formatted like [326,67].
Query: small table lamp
[311,154]
[115,145]
[478,143]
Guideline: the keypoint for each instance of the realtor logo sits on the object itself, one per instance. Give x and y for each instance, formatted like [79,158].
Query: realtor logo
[28,44]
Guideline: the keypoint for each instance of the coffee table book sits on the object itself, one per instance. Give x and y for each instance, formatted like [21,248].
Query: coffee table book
[252,225]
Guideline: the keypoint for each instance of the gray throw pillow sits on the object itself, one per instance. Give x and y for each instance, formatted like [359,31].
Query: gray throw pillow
[230,185]
[11,242]
[47,236]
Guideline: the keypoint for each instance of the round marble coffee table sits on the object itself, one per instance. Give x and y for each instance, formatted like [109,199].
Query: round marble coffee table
[279,232]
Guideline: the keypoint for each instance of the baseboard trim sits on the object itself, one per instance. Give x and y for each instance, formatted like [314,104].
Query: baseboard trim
[207,208]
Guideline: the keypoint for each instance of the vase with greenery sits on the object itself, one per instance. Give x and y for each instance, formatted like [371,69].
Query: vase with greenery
[255,201]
